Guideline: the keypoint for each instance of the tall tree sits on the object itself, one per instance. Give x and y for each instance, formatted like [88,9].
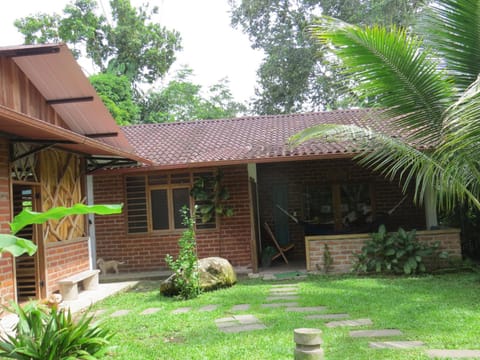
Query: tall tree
[429,87]
[129,44]
[183,100]
[295,75]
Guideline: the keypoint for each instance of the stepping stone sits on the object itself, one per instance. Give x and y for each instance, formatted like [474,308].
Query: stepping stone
[283,290]
[283,285]
[276,305]
[375,333]
[306,309]
[357,322]
[454,354]
[326,316]
[396,344]
[150,311]
[240,307]
[246,319]
[240,328]
[181,310]
[208,308]
[120,313]
[239,323]
[282,297]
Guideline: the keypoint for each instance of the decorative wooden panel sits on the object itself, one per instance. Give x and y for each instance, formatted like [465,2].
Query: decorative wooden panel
[26,167]
[61,181]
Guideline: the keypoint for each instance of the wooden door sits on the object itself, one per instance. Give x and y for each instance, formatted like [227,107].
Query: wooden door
[27,270]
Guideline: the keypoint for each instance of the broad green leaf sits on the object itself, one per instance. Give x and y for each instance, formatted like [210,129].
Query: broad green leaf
[28,217]
[16,246]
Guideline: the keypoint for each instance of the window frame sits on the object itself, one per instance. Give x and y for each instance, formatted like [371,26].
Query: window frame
[170,206]
[166,181]
[335,189]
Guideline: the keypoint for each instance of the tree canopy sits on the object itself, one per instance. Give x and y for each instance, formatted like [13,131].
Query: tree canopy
[295,74]
[129,44]
[129,51]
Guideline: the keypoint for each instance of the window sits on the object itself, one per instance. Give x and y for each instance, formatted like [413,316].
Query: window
[154,201]
[337,208]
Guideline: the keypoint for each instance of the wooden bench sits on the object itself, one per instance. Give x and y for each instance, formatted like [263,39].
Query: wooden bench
[69,285]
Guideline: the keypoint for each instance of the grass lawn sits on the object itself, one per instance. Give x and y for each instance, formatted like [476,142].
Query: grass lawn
[443,311]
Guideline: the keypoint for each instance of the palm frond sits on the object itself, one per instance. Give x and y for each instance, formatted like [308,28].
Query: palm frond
[393,68]
[399,161]
[453,29]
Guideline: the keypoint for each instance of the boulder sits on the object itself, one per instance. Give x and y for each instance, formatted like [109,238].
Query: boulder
[214,273]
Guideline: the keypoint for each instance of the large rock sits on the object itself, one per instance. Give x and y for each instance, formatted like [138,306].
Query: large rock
[214,273]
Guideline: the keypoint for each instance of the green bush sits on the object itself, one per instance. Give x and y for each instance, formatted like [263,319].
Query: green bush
[398,253]
[185,267]
[53,334]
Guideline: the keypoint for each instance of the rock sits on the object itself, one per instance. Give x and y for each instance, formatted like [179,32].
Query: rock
[214,273]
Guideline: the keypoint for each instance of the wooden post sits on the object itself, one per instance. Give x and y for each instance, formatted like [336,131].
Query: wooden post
[308,343]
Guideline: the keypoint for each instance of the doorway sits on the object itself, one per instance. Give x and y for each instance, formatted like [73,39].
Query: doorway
[28,270]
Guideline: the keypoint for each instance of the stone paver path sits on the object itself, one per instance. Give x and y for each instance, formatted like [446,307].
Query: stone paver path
[240,307]
[98,312]
[395,344]
[326,316]
[239,323]
[120,313]
[375,333]
[208,308]
[454,354]
[150,311]
[356,322]
[306,308]
[280,304]
[181,310]
[282,297]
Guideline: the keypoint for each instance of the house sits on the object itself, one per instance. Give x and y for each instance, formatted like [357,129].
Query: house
[312,195]
[54,130]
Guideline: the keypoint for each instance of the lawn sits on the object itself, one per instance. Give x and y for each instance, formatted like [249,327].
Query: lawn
[443,311]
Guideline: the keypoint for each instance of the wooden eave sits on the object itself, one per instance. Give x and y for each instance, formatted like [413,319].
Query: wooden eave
[21,127]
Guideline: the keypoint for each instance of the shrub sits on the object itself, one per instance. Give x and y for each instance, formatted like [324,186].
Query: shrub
[396,253]
[185,267]
[43,333]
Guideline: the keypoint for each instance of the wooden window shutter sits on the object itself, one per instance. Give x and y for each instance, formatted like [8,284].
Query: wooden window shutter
[136,204]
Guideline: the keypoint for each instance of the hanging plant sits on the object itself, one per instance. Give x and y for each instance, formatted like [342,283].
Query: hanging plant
[210,196]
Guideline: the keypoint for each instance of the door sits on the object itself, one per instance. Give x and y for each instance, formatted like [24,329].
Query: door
[27,268]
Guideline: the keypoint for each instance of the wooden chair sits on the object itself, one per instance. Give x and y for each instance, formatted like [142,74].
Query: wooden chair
[281,249]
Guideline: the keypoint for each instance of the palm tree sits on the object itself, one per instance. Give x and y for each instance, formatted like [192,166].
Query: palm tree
[429,90]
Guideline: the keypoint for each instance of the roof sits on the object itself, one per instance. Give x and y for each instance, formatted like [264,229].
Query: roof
[53,70]
[15,123]
[245,139]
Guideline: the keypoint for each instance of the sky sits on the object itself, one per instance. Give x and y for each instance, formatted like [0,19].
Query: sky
[211,47]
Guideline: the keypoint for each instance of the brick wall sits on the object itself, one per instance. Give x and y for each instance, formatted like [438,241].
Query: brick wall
[300,174]
[65,258]
[342,248]
[7,289]
[146,251]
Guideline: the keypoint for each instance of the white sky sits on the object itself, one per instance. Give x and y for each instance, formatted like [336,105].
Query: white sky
[210,46]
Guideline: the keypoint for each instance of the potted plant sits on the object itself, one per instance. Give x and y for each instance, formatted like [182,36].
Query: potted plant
[267,254]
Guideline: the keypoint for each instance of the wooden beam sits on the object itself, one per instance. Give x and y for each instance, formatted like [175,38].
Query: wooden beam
[30,51]
[101,135]
[69,100]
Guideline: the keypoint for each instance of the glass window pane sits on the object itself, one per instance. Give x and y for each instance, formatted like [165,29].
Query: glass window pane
[181,198]
[356,206]
[160,219]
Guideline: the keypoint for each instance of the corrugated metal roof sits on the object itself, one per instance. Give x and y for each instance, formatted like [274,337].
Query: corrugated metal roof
[53,70]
